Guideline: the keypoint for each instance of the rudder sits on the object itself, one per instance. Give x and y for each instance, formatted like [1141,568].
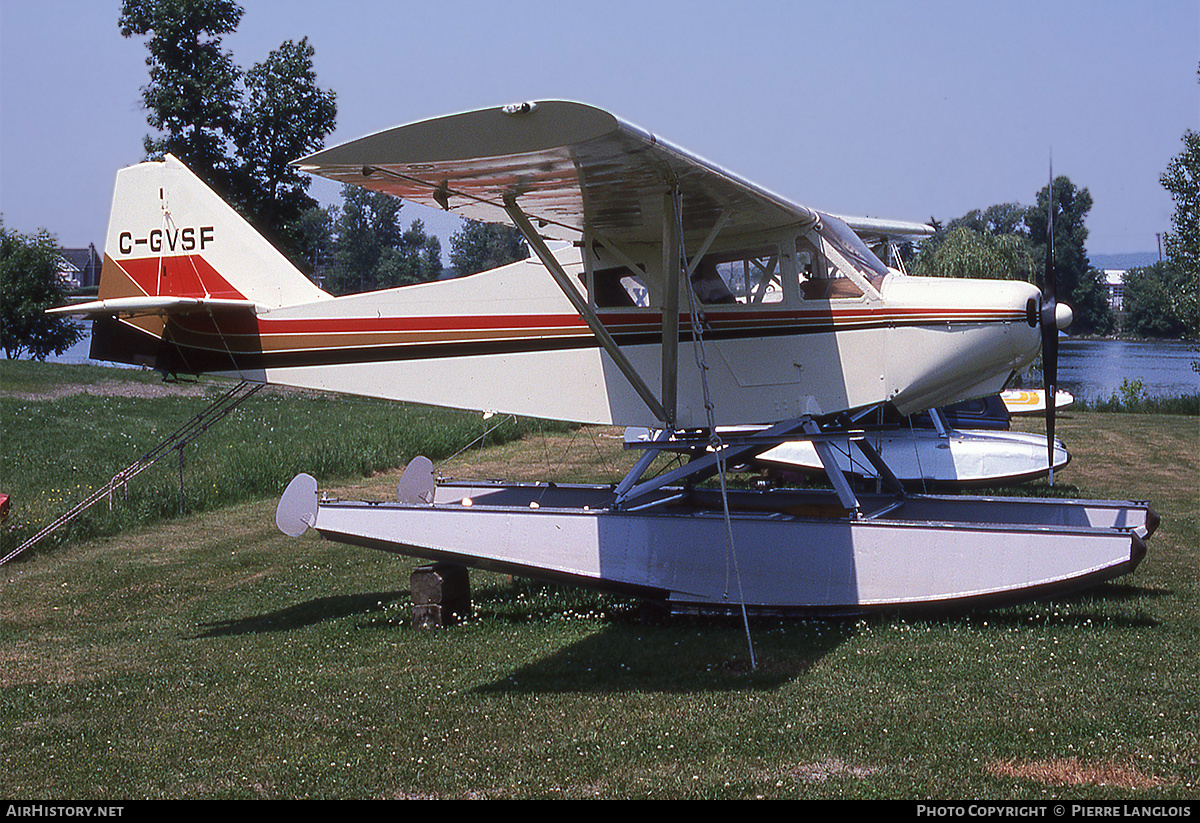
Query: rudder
[169,234]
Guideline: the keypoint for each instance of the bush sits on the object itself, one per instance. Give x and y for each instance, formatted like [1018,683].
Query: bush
[1131,398]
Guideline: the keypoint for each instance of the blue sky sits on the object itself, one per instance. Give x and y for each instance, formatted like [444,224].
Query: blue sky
[908,110]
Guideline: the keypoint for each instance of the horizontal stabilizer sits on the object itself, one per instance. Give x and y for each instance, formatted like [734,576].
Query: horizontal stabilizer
[153,305]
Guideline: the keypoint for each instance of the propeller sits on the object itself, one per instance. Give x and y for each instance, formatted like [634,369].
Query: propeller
[1054,316]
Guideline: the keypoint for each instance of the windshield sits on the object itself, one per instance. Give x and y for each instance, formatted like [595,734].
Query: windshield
[837,234]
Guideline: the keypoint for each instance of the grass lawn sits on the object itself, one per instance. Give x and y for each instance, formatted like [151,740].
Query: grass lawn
[68,429]
[209,656]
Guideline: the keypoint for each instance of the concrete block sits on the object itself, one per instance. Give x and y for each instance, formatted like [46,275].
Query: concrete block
[441,595]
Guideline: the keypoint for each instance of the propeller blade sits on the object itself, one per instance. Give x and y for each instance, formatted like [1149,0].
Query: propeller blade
[1050,383]
[1050,327]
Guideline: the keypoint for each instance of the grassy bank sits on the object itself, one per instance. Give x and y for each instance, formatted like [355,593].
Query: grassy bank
[1131,397]
[69,429]
[209,656]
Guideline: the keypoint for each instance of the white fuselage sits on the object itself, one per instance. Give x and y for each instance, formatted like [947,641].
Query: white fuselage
[796,320]
[514,344]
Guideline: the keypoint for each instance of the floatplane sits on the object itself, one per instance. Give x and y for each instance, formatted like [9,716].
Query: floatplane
[663,292]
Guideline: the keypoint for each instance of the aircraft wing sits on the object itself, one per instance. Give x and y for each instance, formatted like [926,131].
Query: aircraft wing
[874,229]
[572,167]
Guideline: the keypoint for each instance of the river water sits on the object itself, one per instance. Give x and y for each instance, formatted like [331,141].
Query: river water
[1094,369]
[1089,369]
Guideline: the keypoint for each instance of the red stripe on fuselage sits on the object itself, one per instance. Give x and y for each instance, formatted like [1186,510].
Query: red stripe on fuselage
[478,328]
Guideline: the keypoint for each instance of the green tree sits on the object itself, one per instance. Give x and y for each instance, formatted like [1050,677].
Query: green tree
[976,254]
[986,244]
[193,96]
[237,131]
[423,253]
[478,247]
[431,259]
[284,116]
[315,238]
[367,227]
[1078,283]
[1150,301]
[1008,241]
[30,284]
[998,220]
[416,258]
[372,251]
[1182,180]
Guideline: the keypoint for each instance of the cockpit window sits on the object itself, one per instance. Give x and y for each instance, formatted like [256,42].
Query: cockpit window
[619,288]
[821,279]
[836,233]
[748,278]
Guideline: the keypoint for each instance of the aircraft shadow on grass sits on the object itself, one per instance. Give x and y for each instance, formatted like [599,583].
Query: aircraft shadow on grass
[693,655]
[712,654]
[1086,608]
[308,613]
[681,653]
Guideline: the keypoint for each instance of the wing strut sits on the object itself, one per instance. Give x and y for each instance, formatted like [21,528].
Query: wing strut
[671,250]
[585,311]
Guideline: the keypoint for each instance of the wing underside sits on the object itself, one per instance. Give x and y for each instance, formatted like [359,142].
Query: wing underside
[572,168]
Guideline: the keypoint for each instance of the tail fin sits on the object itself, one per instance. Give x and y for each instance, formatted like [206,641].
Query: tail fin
[178,261]
[170,235]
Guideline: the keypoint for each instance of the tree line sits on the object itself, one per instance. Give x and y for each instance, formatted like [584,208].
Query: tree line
[1009,241]
[362,246]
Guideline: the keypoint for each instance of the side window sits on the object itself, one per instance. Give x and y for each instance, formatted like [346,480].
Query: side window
[619,288]
[819,278]
[748,278]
